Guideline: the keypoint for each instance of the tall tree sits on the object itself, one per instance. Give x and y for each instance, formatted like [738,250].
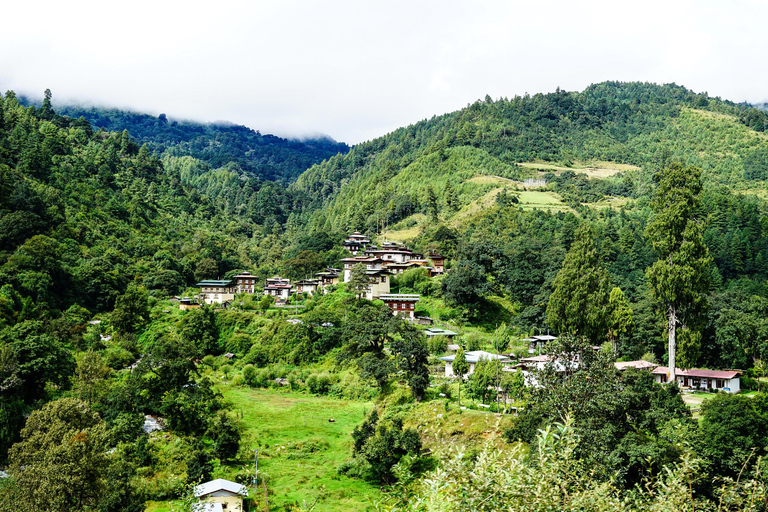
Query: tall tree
[460,367]
[59,465]
[620,316]
[579,303]
[679,279]
[359,282]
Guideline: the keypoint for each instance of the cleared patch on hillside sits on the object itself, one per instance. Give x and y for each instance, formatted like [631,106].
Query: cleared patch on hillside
[544,200]
[598,169]
[405,230]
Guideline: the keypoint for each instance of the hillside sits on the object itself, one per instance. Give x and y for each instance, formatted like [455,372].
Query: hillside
[239,148]
[616,125]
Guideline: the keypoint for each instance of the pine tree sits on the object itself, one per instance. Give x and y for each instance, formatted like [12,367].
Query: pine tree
[679,279]
[579,303]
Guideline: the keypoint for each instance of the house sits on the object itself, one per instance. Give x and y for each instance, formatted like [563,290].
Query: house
[279,288]
[721,380]
[245,282]
[436,331]
[399,268]
[329,276]
[220,495]
[438,263]
[217,291]
[401,303]
[473,358]
[308,286]
[378,276]
[356,242]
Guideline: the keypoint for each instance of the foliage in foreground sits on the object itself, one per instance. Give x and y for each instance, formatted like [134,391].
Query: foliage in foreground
[552,478]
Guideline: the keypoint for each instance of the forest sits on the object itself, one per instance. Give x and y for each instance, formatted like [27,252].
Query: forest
[537,202]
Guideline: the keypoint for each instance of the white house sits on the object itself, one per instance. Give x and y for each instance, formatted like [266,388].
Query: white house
[220,495]
[721,380]
[473,358]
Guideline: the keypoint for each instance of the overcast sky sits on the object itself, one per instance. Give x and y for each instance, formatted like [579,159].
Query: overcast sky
[357,70]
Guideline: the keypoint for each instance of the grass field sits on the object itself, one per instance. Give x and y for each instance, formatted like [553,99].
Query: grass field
[598,169]
[531,199]
[299,449]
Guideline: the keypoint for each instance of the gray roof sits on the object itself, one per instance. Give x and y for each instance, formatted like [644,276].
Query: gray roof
[476,355]
[220,485]
[434,331]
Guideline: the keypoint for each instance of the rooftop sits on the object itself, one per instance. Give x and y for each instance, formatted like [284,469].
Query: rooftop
[641,365]
[476,355]
[434,331]
[401,297]
[698,373]
[220,485]
[215,282]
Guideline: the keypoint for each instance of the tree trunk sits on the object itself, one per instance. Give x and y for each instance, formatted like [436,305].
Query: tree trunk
[672,342]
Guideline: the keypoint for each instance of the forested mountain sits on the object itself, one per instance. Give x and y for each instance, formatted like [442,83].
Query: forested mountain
[454,182]
[104,225]
[239,148]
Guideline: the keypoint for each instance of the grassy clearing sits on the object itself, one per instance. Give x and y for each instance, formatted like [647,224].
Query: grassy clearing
[597,169]
[493,180]
[299,449]
[694,400]
[531,199]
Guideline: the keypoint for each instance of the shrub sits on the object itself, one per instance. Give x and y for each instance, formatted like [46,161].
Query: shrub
[320,384]
[437,345]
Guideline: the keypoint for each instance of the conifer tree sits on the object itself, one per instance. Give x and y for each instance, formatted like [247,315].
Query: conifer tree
[579,303]
[679,279]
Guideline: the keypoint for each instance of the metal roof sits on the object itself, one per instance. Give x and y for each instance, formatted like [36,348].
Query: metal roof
[220,485]
[475,356]
[214,282]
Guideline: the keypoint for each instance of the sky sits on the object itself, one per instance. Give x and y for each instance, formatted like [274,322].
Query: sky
[357,70]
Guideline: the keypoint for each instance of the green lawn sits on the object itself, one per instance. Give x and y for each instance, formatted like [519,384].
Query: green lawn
[299,448]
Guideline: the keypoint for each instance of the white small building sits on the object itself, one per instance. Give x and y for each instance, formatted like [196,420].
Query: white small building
[279,288]
[473,358]
[217,291]
[220,495]
[721,380]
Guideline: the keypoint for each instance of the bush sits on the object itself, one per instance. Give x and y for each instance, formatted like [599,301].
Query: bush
[320,384]
[437,345]
[249,375]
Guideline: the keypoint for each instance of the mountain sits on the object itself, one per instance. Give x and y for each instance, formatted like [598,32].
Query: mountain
[617,125]
[243,150]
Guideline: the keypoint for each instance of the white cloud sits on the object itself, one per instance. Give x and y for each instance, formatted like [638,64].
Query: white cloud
[356,70]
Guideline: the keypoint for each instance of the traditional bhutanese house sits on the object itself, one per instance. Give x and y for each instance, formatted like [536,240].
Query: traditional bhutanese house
[356,242]
[369,263]
[721,380]
[217,291]
[438,263]
[640,365]
[308,286]
[402,304]
[528,366]
[435,331]
[220,495]
[378,276]
[246,282]
[473,358]
[329,276]
[278,287]
[392,255]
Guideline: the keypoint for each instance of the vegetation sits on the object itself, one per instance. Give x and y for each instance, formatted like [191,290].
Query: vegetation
[98,229]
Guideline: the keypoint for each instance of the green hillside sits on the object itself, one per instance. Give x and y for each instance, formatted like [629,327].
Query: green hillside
[98,230]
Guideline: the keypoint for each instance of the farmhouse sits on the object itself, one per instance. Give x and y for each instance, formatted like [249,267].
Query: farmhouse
[217,291]
[378,276]
[245,282]
[356,242]
[220,495]
[308,286]
[329,276]
[279,288]
[695,378]
[401,303]
[473,358]
[438,263]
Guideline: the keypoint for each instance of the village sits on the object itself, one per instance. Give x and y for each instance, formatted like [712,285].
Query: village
[393,259]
